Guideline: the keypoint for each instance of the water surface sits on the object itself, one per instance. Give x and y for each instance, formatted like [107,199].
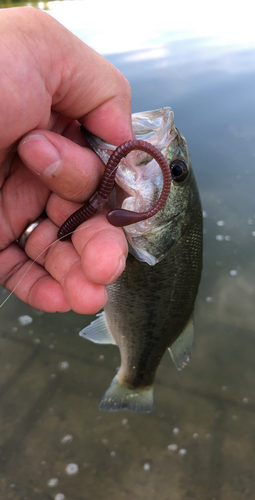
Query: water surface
[199,441]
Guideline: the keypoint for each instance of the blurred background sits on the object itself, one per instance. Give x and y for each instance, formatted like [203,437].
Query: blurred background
[199,442]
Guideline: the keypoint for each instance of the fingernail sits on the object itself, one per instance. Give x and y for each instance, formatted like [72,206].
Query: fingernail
[122,265]
[40,155]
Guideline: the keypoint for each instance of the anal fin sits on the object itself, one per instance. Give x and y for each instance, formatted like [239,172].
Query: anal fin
[98,331]
[182,347]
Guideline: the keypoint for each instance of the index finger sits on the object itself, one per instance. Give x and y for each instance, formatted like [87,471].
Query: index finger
[57,71]
[99,96]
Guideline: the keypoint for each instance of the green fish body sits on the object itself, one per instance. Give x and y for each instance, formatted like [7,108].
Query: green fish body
[150,306]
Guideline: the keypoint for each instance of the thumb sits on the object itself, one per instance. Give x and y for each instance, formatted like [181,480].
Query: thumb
[70,171]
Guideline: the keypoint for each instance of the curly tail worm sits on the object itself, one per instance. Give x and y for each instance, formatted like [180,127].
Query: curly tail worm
[119,217]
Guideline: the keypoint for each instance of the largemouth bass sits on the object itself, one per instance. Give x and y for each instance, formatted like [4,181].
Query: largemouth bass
[150,306]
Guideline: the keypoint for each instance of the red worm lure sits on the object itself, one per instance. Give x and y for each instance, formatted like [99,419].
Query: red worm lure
[119,217]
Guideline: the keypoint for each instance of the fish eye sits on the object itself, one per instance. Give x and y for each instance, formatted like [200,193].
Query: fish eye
[179,170]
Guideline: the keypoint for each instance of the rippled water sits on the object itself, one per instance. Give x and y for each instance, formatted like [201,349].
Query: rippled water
[199,441]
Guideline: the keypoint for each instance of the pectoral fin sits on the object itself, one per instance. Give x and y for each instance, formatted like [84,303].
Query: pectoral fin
[182,347]
[98,331]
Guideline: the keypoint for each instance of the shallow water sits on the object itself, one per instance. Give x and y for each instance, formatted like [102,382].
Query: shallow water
[199,440]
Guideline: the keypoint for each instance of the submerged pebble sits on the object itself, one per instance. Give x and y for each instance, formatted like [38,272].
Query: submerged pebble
[59,496]
[182,451]
[52,482]
[72,469]
[25,320]
[146,466]
[64,365]
[209,299]
[172,447]
[233,272]
[66,439]
[176,430]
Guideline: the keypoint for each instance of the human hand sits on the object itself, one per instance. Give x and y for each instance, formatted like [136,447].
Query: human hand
[49,80]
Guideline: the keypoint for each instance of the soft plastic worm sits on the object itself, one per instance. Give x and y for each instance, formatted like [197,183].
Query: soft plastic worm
[119,217]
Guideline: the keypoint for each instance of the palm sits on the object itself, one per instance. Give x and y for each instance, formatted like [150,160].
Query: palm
[20,189]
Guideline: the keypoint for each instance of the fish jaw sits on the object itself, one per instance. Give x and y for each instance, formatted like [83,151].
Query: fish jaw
[120,396]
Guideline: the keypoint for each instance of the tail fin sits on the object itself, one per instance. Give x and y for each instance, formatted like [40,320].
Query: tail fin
[120,397]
